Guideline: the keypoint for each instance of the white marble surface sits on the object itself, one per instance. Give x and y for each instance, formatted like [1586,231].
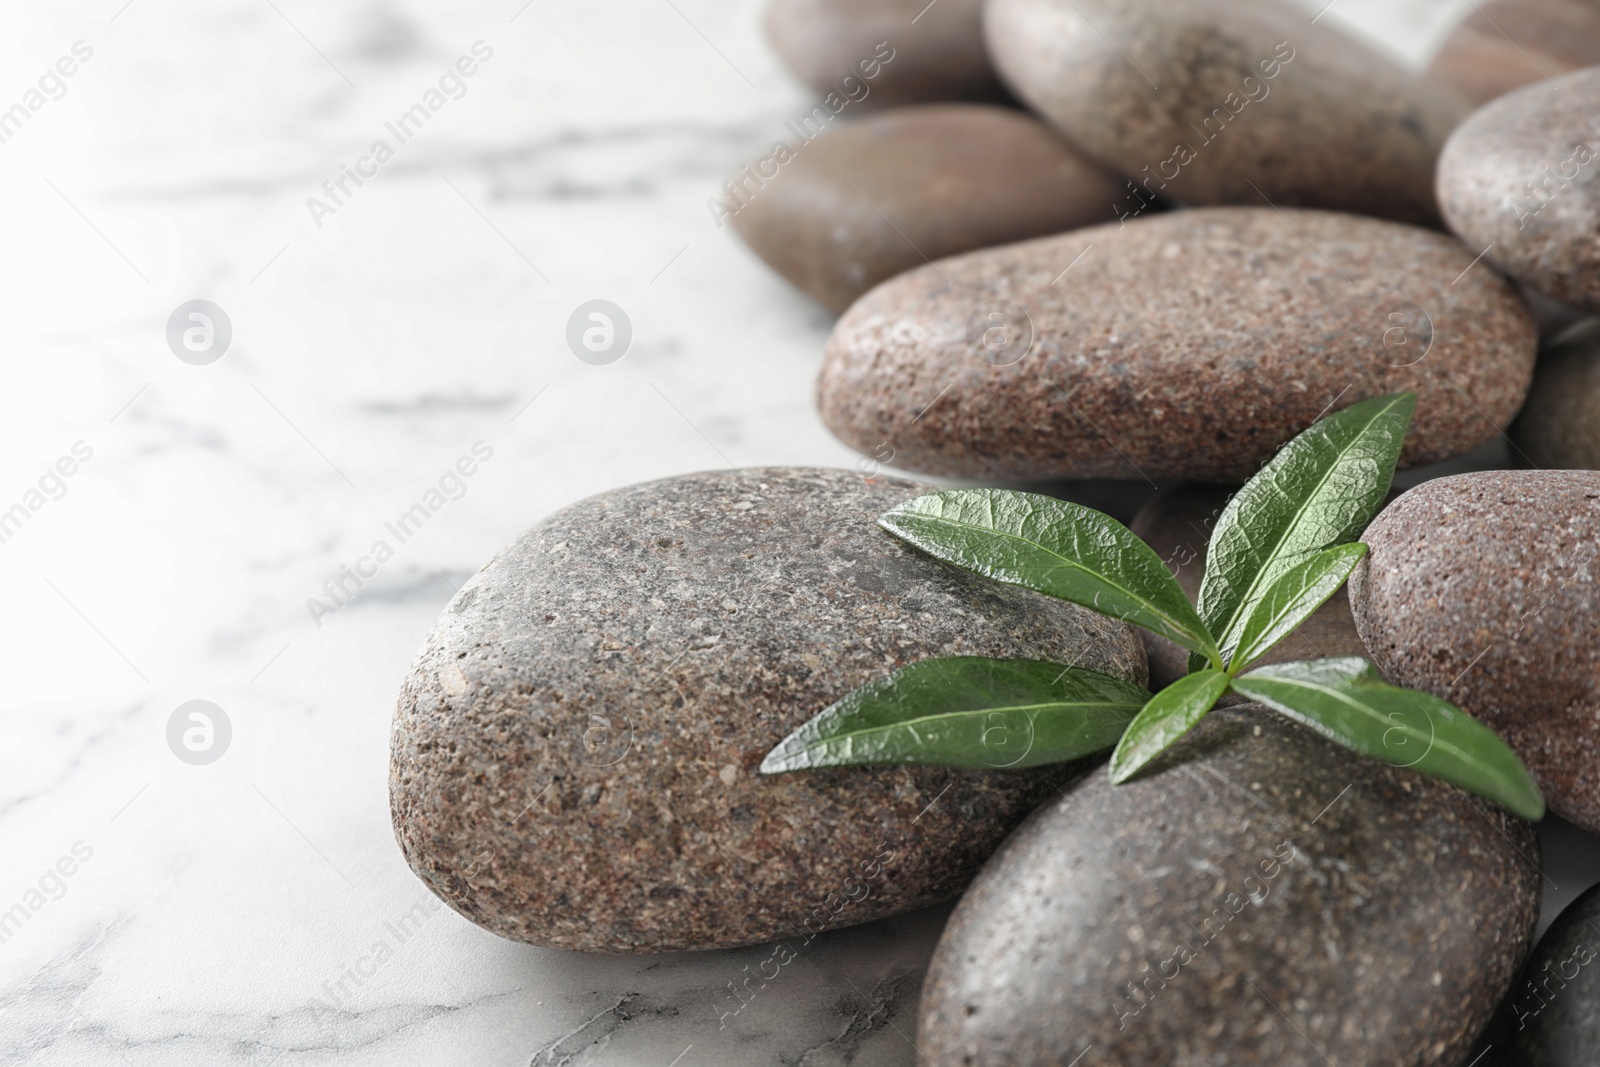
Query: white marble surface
[220,903]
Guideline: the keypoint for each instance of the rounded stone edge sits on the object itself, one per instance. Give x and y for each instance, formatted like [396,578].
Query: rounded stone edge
[1444,1054]
[1023,794]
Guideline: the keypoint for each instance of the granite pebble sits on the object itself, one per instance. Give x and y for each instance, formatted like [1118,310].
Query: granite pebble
[868,200]
[574,752]
[1481,588]
[902,51]
[1228,102]
[1186,346]
[1263,896]
[1520,181]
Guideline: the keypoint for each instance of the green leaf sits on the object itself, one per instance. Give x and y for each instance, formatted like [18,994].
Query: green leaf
[1346,701]
[1170,714]
[1293,598]
[1054,547]
[966,711]
[1320,490]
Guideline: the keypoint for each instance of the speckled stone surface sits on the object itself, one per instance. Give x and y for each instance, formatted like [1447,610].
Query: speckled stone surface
[574,752]
[1264,897]
[868,200]
[1504,44]
[1481,588]
[1183,346]
[1178,525]
[1555,1002]
[1228,101]
[938,48]
[1560,424]
[1523,175]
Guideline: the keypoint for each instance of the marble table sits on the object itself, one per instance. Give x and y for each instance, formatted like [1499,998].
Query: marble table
[254,909]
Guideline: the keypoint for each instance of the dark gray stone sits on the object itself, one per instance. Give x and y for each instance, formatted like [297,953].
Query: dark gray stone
[574,751]
[1187,346]
[1228,101]
[1554,317]
[1523,175]
[1481,588]
[1261,897]
[1555,1002]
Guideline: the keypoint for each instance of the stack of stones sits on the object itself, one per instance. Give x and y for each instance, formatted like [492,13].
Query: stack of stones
[1076,240]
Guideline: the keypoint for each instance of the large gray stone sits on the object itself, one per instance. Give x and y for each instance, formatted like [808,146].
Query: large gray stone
[1187,346]
[575,750]
[1520,181]
[1228,102]
[1261,897]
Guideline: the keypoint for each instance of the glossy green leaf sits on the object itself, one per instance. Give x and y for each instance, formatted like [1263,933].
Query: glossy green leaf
[1293,598]
[1347,701]
[1055,547]
[1320,490]
[1169,715]
[966,711]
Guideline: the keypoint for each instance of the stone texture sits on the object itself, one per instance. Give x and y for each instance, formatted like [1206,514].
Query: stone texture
[938,51]
[868,200]
[1502,45]
[1555,1002]
[1182,346]
[1560,424]
[1523,175]
[574,751]
[1263,897]
[1481,588]
[1178,525]
[1229,101]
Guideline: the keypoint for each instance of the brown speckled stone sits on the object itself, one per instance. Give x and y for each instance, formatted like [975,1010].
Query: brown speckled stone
[937,50]
[1513,176]
[868,200]
[1481,588]
[1178,525]
[1560,424]
[1135,82]
[1504,44]
[1183,346]
[574,752]
[1265,897]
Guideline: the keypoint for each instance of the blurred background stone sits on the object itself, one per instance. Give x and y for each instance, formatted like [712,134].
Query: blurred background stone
[937,48]
[1504,44]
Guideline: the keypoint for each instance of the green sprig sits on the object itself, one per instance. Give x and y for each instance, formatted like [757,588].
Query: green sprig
[1283,546]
